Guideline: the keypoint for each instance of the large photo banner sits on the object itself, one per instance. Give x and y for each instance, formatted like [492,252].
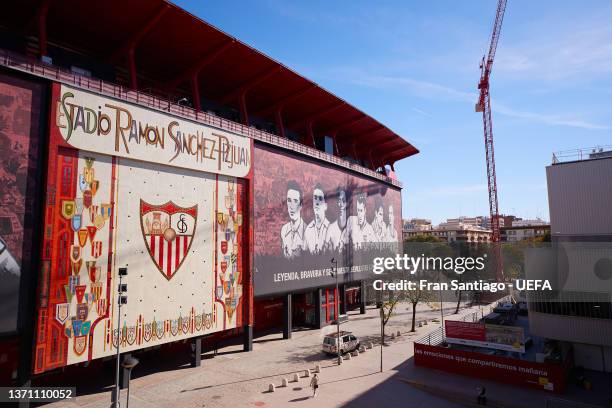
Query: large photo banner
[308,213]
[20,122]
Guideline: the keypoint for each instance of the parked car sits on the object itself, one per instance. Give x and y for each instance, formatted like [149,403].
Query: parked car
[348,343]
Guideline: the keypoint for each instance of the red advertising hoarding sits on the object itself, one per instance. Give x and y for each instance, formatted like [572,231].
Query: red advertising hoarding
[504,369]
[509,338]
[465,330]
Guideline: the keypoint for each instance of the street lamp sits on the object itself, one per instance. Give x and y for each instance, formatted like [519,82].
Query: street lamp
[121,300]
[334,272]
[128,364]
[441,305]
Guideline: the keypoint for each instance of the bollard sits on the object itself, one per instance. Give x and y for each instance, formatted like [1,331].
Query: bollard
[285,382]
[271,387]
[356,353]
[399,333]
[348,356]
[420,324]
[362,349]
[371,345]
[296,377]
[425,322]
[317,368]
[392,336]
[307,373]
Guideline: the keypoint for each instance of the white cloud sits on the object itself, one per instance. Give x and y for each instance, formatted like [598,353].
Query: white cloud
[431,90]
[579,51]
[553,120]
[422,112]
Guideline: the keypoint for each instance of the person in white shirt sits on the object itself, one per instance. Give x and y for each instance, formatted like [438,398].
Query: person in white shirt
[360,230]
[338,232]
[378,225]
[391,231]
[316,231]
[293,233]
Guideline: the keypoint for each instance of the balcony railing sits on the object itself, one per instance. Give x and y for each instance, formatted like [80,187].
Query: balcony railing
[586,153]
[22,63]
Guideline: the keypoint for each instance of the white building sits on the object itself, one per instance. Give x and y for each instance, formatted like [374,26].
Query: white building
[580,262]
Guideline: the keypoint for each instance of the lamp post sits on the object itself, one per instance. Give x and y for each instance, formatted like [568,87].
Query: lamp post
[334,272]
[441,305]
[128,364]
[121,300]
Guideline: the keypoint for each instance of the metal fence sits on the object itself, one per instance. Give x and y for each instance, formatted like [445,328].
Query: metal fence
[586,153]
[33,66]
[434,338]
[485,310]
[437,336]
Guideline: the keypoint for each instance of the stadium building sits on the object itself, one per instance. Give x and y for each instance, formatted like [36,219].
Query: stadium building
[135,135]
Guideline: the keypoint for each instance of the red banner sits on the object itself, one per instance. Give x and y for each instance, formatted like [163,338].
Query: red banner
[543,376]
[465,330]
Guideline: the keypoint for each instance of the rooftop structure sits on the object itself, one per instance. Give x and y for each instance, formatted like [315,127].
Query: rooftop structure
[167,55]
[587,153]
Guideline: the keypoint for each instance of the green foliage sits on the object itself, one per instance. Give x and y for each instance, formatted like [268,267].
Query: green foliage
[424,238]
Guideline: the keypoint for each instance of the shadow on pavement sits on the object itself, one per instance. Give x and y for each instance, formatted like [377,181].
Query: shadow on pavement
[299,399]
[239,381]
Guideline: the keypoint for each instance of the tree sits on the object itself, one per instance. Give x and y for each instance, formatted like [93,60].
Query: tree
[415,297]
[386,311]
[424,238]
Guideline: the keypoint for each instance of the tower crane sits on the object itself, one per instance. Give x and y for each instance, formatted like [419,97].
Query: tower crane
[484,105]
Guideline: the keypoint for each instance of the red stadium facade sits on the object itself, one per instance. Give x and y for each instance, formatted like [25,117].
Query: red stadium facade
[223,181]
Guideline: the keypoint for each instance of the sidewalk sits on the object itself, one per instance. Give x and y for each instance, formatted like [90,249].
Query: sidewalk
[235,379]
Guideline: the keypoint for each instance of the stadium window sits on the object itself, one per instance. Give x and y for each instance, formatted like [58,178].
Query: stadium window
[81,71]
[329,145]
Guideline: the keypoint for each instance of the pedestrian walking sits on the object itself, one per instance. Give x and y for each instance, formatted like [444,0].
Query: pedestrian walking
[314,384]
[482,397]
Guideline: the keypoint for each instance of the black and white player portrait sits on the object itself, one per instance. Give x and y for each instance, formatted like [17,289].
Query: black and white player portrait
[350,227]
[316,231]
[391,231]
[293,238]
[379,228]
[361,231]
[338,232]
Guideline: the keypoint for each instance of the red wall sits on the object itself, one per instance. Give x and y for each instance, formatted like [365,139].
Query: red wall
[502,369]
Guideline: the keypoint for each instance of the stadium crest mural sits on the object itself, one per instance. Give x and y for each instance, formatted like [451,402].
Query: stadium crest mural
[178,230]
[307,213]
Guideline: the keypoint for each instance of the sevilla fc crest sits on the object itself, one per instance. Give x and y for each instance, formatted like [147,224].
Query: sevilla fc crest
[168,232]
[80,344]
[62,311]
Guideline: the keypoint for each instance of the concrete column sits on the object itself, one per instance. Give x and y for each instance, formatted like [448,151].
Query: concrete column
[196,352]
[123,372]
[195,92]
[318,314]
[362,297]
[279,123]
[248,338]
[310,138]
[132,69]
[244,114]
[287,316]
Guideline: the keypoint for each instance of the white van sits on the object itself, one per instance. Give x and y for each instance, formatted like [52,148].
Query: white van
[348,343]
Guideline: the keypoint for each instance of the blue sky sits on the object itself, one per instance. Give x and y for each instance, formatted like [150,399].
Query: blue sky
[413,65]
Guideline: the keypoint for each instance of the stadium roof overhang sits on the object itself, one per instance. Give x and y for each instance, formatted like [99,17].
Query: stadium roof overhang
[173,47]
